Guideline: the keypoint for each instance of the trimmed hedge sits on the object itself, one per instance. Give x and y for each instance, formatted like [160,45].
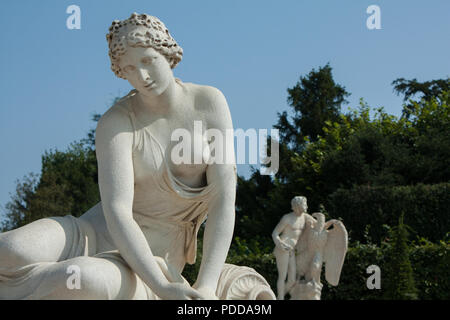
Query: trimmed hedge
[426,208]
[430,264]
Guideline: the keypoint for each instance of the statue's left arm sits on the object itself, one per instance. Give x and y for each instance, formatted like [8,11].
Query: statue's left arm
[221,206]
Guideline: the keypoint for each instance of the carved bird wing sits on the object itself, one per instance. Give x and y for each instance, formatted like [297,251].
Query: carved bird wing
[334,252]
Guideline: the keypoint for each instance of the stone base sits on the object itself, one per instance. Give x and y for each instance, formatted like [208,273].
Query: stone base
[243,283]
[304,290]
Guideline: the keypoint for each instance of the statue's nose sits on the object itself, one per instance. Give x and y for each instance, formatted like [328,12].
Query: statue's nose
[143,75]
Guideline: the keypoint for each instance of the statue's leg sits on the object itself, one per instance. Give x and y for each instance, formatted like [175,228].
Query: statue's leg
[282,258]
[44,240]
[316,268]
[292,270]
[85,278]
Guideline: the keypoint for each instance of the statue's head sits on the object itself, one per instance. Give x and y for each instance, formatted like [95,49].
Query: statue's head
[299,205]
[320,217]
[141,37]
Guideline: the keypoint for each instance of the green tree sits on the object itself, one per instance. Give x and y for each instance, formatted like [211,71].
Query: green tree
[18,208]
[400,284]
[426,90]
[315,99]
[67,184]
[362,147]
[427,134]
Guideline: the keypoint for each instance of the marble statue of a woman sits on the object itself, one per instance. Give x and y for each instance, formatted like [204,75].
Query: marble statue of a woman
[136,241]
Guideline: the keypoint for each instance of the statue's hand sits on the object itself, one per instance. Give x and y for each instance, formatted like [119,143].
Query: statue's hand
[179,291]
[206,293]
[284,246]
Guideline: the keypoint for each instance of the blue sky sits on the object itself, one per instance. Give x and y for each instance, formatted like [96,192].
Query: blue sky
[53,79]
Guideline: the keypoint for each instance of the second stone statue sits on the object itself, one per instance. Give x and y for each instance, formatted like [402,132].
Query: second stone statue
[303,243]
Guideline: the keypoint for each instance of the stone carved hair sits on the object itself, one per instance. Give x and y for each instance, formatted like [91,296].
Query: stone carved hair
[298,201]
[141,30]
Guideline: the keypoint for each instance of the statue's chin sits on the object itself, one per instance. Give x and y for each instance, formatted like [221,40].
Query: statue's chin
[148,93]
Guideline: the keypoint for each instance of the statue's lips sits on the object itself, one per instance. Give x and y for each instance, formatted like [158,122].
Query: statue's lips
[150,85]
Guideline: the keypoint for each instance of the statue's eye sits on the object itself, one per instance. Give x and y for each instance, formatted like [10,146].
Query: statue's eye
[146,60]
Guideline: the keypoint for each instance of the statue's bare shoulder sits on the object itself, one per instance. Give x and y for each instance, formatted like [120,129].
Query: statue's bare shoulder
[288,217]
[293,217]
[211,103]
[117,113]
[116,119]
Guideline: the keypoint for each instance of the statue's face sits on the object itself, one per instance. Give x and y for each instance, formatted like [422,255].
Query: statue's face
[300,208]
[146,70]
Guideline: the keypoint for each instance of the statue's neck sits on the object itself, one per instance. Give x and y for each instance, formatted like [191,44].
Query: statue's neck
[163,103]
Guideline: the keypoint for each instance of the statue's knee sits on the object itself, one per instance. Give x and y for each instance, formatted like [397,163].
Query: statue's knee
[101,279]
[10,253]
[85,278]
[4,252]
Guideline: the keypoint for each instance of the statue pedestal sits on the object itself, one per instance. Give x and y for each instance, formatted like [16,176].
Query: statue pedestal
[243,283]
[304,290]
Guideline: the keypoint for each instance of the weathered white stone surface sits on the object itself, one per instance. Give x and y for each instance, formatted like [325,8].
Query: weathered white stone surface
[136,241]
[285,236]
[303,243]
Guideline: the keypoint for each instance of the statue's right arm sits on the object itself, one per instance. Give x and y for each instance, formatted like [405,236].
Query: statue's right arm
[278,230]
[113,142]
